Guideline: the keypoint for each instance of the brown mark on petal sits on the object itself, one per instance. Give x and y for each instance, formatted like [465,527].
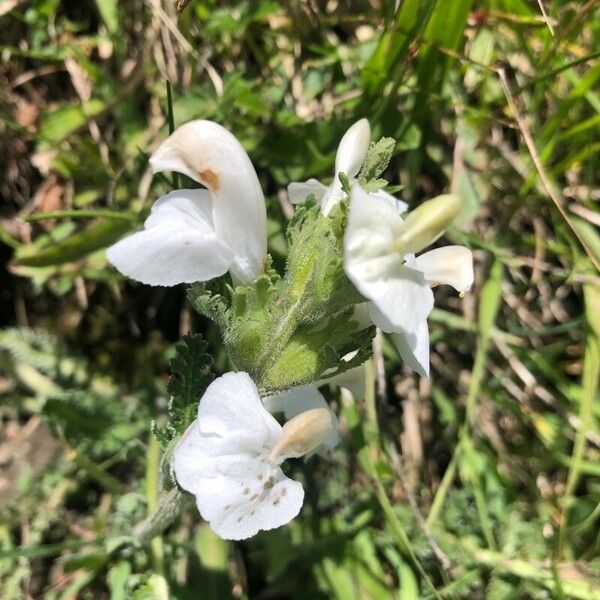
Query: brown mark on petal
[210,179]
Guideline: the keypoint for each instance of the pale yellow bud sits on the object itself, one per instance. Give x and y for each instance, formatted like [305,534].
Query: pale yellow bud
[426,223]
[302,434]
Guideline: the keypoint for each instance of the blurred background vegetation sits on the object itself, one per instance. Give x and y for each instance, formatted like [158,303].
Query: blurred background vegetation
[482,482]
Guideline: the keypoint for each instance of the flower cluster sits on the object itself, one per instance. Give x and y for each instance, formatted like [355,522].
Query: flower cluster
[354,263]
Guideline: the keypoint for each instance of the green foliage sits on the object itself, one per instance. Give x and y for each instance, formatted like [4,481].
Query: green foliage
[43,352]
[190,376]
[208,300]
[97,426]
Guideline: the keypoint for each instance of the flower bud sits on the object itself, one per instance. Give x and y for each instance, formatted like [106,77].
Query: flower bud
[301,435]
[353,148]
[349,158]
[426,223]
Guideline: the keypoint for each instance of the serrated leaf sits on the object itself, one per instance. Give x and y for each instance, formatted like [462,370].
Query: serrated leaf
[190,376]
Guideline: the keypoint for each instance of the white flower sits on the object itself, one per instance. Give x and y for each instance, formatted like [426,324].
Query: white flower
[195,235]
[230,458]
[379,258]
[350,155]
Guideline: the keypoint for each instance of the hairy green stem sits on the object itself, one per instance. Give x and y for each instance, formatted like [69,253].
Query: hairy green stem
[152,491]
[170,506]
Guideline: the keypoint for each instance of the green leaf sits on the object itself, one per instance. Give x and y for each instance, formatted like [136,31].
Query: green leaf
[491,297]
[207,300]
[117,579]
[109,11]
[62,122]
[81,214]
[96,236]
[410,21]
[190,376]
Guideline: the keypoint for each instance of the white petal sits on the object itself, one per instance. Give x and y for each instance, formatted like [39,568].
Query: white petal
[274,403]
[178,243]
[231,408]
[350,155]
[306,397]
[222,460]
[353,380]
[239,508]
[298,191]
[372,226]
[231,425]
[400,295]
[383,196]
[452,265]
[414,348]
[208,153]
[334,195]
[362,316]
[353,149]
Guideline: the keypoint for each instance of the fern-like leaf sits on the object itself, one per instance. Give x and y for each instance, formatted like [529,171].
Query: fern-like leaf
[190,376]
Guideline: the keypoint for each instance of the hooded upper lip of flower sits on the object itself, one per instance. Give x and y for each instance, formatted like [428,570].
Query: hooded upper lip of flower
[298,400]
[195,235]
[230,457]
[379,259]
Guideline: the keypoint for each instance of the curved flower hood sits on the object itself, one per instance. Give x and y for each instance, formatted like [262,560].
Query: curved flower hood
[195,235]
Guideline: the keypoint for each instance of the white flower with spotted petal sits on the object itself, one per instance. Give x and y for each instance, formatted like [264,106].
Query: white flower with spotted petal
[230,458]
[379,258]
[195,235]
